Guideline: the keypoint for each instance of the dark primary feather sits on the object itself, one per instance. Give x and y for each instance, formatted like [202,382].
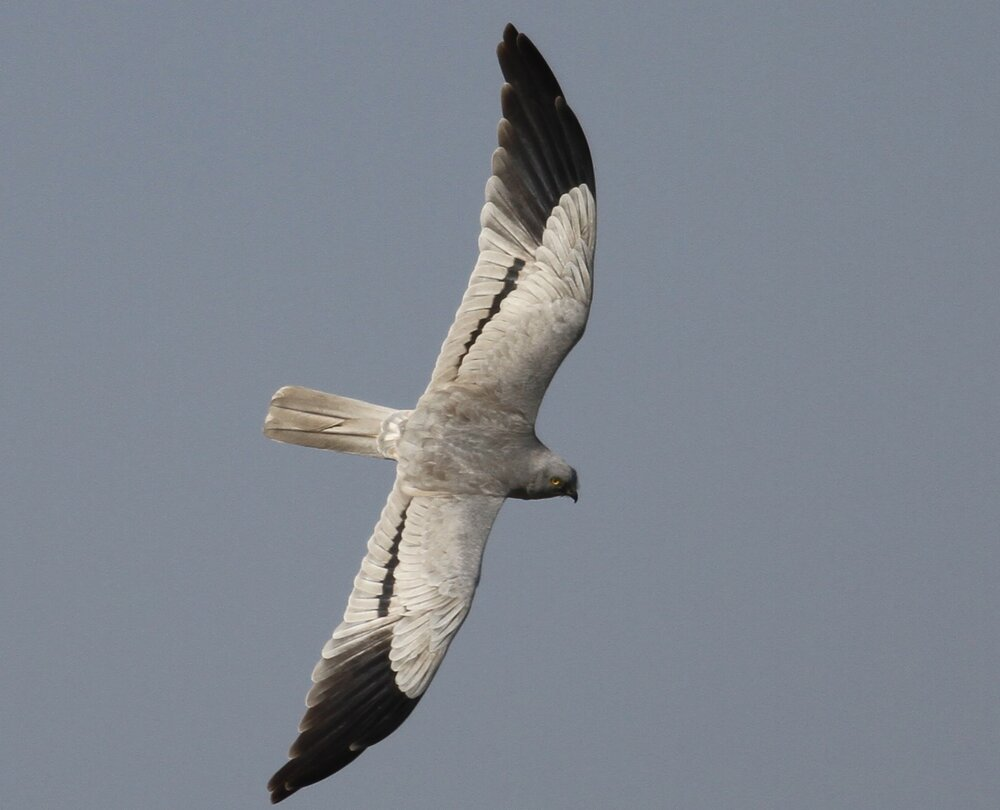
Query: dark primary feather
[335,732]
[541,132]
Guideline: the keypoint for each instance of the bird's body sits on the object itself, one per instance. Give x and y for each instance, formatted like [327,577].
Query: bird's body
[458,442]
[469,443]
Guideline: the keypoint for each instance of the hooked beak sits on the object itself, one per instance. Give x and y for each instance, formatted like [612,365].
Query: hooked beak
[572,494]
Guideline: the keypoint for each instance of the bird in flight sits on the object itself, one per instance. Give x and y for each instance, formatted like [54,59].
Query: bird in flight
[470,443]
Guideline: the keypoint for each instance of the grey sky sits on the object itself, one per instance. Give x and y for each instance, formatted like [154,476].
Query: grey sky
[779,588]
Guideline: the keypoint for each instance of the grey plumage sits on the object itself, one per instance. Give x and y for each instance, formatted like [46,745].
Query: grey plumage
[469,443]
[329,422]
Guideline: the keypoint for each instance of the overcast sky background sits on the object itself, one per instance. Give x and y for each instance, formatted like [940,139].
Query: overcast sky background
[779,588]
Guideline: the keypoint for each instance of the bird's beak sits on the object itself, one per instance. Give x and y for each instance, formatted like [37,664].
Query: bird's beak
[572,494]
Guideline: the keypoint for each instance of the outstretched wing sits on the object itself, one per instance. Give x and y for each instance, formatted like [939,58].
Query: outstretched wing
[529,295]
[412,594]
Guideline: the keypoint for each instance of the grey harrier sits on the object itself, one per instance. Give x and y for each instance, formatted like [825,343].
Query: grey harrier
[470,441]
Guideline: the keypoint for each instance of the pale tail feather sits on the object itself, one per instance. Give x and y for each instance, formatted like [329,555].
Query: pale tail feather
[317,419]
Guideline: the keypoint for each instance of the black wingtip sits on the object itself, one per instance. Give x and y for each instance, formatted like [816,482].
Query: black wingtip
[354,703]
[509,35]
[551,142]
[279,794]
[279,786]
[304,771]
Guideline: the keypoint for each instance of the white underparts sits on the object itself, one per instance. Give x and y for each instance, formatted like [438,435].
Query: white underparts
[390,433]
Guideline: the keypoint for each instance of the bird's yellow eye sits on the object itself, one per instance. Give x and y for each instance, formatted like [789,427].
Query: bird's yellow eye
[555,481]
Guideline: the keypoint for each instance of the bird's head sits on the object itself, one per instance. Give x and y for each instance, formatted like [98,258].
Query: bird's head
[551,478]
